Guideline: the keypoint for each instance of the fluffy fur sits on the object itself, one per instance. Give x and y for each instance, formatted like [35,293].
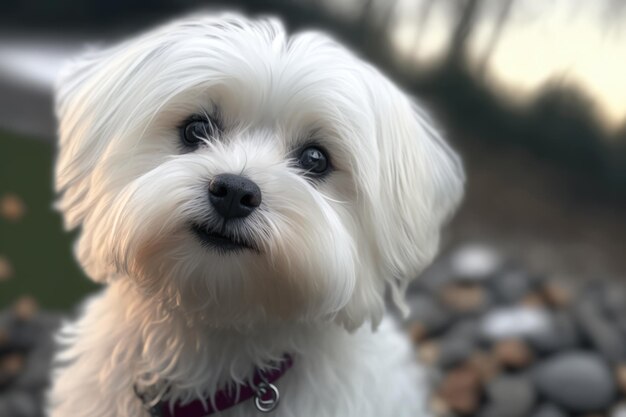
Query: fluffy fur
[177,313]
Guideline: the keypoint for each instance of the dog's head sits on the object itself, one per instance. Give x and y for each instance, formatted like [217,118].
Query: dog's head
[235,171]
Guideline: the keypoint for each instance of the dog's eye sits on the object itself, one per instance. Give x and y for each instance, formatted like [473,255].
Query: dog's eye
[314,160]
[196,130]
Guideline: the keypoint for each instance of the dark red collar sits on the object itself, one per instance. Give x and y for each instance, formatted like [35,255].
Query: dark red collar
[261,388]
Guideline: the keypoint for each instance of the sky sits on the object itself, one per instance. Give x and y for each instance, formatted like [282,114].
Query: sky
[572,41]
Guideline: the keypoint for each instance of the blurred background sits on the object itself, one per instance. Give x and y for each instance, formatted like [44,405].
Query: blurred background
[531,93]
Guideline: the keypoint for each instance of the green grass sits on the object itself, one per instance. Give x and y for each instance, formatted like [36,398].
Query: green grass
[36,245]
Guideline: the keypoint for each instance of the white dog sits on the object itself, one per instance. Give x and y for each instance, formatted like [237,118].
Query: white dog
[247,197]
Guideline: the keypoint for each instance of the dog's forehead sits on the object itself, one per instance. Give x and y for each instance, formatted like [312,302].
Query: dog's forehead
[256,66]
[251,71]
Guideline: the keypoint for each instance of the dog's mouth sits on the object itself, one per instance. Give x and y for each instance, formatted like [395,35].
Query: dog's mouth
[222,241]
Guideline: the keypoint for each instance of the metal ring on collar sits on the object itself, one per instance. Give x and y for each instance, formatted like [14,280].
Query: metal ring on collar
[269,404]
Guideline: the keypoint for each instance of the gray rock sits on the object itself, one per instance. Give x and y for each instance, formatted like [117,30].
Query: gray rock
[549,410]
[603,335]
[613,300]
[51,322]
[459,342]
[514,322]
[5,409]
[15,403]
[35,375]
[511,286]
[467,328]
[23,397]
[24,405]
[475,262]
[509,396]
[432,279]
[620,324]
[454,351]
[619,411]
[580,382]
[429,312]
[562,333]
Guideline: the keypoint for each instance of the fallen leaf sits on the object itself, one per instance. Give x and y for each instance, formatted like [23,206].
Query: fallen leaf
[6,270]
[12,207]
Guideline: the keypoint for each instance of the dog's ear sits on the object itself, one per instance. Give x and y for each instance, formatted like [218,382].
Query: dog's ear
[83,94]
[421,184]
[79,148]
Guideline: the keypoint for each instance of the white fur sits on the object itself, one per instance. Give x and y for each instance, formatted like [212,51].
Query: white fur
[176,311]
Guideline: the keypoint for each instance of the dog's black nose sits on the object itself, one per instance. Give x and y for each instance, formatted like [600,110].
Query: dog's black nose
[233,195]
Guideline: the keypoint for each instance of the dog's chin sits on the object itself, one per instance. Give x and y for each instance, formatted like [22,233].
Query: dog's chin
[222,242]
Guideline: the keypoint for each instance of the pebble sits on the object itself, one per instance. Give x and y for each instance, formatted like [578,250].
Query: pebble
[24,404]
[534,300]
[10,366]
[454,351]
[428,352]
[603,334]
[557,294]
[549,410]
[4,405]
[432,279]
[464,333]
[509,396]
[620,377]
[439,407]
[12,207]
[429,313]
[35,375]
[561,334]
[417,332]
[512,354]
[26,350]
[464,298]
[511,286]
[6,269]
[514,322]
[485,366]
[475,262]
[467,327]
[25,308]
[580,382]
[613,301]
[619,411]
[460,389]
[22,335]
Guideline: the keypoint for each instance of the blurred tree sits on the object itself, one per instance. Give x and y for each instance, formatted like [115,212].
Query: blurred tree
[617,158]
[504,11]
[467,12]
[423,16]
[562,125]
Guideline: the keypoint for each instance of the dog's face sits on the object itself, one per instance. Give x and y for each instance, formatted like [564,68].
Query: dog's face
[236,172]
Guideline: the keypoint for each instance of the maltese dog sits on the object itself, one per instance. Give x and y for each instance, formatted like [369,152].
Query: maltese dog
[247,197]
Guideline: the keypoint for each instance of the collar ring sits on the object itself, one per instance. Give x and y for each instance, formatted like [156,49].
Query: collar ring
[266,397]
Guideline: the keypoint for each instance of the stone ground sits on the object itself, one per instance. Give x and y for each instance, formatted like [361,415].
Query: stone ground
[504,341]
[26,348]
